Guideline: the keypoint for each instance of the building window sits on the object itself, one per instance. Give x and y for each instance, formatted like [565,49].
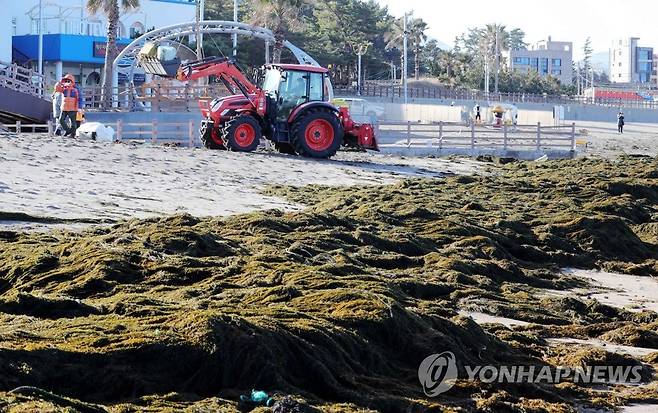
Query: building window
[556,72]
[556,62]
[544,66]
[94,28]
[522,61]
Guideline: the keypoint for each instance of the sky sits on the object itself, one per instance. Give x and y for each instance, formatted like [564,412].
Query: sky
[563,20]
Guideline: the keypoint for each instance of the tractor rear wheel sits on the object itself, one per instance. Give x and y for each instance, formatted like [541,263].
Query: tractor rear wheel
[317,134]
[242,134]
[211,136]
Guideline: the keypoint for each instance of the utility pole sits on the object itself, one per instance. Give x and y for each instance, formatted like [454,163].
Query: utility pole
[40,37]
[487,75]
[405,42]
[235,35]
[202,17]
[197,30]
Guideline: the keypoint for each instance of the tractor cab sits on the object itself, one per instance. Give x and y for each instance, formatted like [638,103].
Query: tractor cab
[289,86]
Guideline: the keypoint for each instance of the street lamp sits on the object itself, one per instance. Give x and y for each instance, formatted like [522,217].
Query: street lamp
[360,49]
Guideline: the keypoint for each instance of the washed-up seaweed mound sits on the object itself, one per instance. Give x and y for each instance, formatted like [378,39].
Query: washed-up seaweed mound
[336,304]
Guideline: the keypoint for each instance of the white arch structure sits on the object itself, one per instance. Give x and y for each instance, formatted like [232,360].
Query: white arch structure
[126,61]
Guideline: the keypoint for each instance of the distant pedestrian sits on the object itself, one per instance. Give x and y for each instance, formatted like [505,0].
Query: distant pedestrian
[478,115]
[56,99]
[71,103]
[620,122]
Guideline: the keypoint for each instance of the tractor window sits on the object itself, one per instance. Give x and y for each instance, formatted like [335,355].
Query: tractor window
[293,91]
[271,80]
[316,91]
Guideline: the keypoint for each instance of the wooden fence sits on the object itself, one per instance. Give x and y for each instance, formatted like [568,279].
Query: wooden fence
[437,135]
[155,98]
[21,79]
[180,133]
[445,135]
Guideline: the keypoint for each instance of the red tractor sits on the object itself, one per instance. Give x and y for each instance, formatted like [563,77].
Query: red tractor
[290,108]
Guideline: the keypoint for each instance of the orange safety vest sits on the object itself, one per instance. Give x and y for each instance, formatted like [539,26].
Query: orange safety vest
[70,103]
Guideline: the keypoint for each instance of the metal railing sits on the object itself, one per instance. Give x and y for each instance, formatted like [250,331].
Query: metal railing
[444,93]
[24,80]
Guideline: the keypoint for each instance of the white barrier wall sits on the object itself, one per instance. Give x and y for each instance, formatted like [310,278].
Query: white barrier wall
[433,113]
[421,112]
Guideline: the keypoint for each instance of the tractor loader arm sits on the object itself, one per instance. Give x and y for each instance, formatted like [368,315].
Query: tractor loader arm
[225,69]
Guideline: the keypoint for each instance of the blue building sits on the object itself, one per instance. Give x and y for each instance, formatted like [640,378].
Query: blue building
[73,40]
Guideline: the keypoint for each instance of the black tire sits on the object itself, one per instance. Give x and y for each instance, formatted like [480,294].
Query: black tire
[285,148]
[327,145]
[206,131]
[242,134]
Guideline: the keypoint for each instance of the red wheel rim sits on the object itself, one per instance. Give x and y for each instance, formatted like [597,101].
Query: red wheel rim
[245,135]
[319,135]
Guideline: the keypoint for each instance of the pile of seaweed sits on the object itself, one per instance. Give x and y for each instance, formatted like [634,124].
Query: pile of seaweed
[336,305]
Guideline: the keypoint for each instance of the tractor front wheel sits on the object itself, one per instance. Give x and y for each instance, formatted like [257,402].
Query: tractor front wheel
[242,134]
[317,134]
[211,136]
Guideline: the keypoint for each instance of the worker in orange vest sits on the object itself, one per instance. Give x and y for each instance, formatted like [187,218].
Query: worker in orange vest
[71,104]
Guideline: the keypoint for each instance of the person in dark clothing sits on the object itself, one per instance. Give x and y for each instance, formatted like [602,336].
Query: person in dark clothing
[620,122]
[478,115]
[71,103]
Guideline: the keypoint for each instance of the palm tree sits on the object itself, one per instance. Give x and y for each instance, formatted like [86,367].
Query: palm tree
[416,29]
[497,40]
[280,16]
[394,38]
[416,37]
[111,10]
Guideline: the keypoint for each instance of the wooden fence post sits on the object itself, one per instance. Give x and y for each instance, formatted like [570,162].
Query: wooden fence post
[440,134]
[154,131]
[408,133]
[538,136]
[119,130]
[573,136]
[190,132]
[505,137]
[472,138]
